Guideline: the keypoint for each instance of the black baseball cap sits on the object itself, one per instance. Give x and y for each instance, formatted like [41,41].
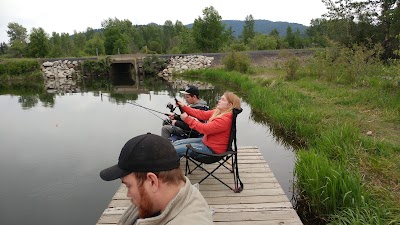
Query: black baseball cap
[191,90]
[143,153]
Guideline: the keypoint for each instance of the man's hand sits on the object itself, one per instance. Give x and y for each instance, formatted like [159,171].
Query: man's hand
[173,122]
[171,116]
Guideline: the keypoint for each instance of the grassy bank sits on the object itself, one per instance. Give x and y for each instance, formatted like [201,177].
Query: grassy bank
[348,171]
[19,71]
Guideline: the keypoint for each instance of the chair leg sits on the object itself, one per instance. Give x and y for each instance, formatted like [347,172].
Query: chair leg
[211,174]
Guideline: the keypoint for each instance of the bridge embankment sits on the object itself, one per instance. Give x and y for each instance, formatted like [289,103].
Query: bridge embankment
[265,58]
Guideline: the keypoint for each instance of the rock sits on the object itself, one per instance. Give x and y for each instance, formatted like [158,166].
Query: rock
[47,64]
[369,133]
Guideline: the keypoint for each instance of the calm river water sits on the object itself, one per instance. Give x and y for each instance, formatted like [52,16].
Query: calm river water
[53,147]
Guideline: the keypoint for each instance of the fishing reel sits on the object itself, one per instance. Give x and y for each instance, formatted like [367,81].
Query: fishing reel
[167,122]
[170,107]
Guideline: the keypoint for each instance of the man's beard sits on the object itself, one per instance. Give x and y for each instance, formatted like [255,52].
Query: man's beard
[145,205]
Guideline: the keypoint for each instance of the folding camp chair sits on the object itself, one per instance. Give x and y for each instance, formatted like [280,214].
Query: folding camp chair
[200,158]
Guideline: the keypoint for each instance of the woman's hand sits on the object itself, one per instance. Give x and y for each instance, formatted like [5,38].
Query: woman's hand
[183,116]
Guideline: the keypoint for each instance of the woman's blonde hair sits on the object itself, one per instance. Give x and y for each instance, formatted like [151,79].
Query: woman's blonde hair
[231,98]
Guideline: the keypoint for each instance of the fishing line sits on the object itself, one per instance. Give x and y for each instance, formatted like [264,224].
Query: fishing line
[148,109]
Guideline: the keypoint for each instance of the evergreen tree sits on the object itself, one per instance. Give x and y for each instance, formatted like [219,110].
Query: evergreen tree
[290,39]
[55,45]
[248,29]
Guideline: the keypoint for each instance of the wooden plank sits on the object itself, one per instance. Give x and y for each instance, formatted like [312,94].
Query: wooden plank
[268,222]
[261,202]
[255,216]
[224,193]
[252,207]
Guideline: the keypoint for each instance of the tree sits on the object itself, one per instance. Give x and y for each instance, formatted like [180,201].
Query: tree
[364,22]
[317,32]
[119,36]
[38,43]
[153,33]
[169,33]
[208,32]
[290,37]
[182,41]
[263,42]
[89,33]
[67,45]
[248,29]
[18,37]
[274,33]
[95,45]
[79,42]
[3,48]
[16,32]
[298,40]
[55,45]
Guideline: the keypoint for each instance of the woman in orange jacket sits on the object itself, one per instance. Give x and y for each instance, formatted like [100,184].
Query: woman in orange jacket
[217,129]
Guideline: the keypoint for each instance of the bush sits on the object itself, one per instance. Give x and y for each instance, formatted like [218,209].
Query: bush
[153,64]
[175,50]
[291,64]
[97,67]
[237,61]
[239,47]
[19,67]
[357,66]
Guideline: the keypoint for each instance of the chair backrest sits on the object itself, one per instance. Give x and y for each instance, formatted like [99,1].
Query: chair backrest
[231,154]
[232,136]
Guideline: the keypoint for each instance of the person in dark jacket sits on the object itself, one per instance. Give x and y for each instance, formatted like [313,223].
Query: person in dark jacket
[178,127]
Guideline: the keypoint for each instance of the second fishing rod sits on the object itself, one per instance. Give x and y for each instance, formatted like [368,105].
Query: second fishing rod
[169,106]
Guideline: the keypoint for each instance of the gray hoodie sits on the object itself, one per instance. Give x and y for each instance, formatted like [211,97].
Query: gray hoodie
[188,207]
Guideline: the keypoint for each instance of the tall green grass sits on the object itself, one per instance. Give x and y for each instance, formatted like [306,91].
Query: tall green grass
[328,173]
[371,215]
[327,185]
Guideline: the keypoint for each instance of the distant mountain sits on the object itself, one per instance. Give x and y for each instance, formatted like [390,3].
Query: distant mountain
[262,26]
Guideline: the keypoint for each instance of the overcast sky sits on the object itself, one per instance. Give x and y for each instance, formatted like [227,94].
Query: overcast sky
[70,15]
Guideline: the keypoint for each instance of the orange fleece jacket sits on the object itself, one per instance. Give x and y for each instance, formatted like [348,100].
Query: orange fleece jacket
[216,133]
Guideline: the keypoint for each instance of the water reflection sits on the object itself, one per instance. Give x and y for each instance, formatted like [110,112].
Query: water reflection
[52,153]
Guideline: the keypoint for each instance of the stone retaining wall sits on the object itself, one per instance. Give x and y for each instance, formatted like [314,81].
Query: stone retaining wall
[61,76]
[179,64]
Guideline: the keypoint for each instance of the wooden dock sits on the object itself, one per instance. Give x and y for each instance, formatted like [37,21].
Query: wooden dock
[261,202]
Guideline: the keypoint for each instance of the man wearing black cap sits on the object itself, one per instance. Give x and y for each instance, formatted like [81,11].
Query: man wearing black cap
[179,128]
[149,167]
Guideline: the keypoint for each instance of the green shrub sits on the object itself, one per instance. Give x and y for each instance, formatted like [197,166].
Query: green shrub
[237,61]
[19,67]
[153,64]
[291,64]
[100,67]
[238,47]
[175,50]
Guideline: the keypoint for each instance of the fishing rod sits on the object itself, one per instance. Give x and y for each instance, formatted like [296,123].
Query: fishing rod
[148,109]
